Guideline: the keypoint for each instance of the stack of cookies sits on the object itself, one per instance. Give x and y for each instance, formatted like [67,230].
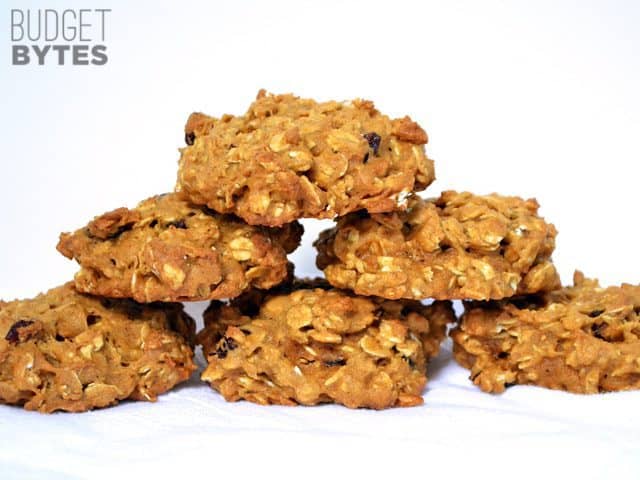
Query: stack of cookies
[362,336]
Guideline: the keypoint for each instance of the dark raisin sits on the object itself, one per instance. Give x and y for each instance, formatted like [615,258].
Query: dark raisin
[220,353]
[336,362]
[597,330]
[374,141]
[189,138]
[177,224]
[59,338]
[411,363]
[13,335]
[503,355]
[596,313]
[92,319]
[225,344]
[366,158]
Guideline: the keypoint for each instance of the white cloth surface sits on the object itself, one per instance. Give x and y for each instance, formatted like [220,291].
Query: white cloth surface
[526,432]
[529,98]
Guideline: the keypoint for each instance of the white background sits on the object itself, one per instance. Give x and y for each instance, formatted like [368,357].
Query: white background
[538,99]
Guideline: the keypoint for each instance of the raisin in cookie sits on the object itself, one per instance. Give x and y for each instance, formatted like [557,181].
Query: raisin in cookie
[166,249]
[64,350]
[289,158]
[322,345]
[459,246]
[583,339]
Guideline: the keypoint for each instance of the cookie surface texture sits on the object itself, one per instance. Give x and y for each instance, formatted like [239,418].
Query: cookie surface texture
[289,158]
[459,246]
[64,350]
[168,250]
[322,345]
[583,339]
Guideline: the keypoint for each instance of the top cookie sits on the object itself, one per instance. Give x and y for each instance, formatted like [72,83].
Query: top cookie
[460,246]
[289,158]
[169,250]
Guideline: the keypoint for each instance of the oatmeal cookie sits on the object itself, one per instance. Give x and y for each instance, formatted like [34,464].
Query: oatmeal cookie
[166,249]
[459,246]
[321,345]
[583,339]
[64,350]
[289,158]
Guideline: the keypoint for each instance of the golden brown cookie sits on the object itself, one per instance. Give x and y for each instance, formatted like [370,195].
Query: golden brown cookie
[459,246]
[583,339]
[166,249]
[289,158]
[64,350]
[320,345]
